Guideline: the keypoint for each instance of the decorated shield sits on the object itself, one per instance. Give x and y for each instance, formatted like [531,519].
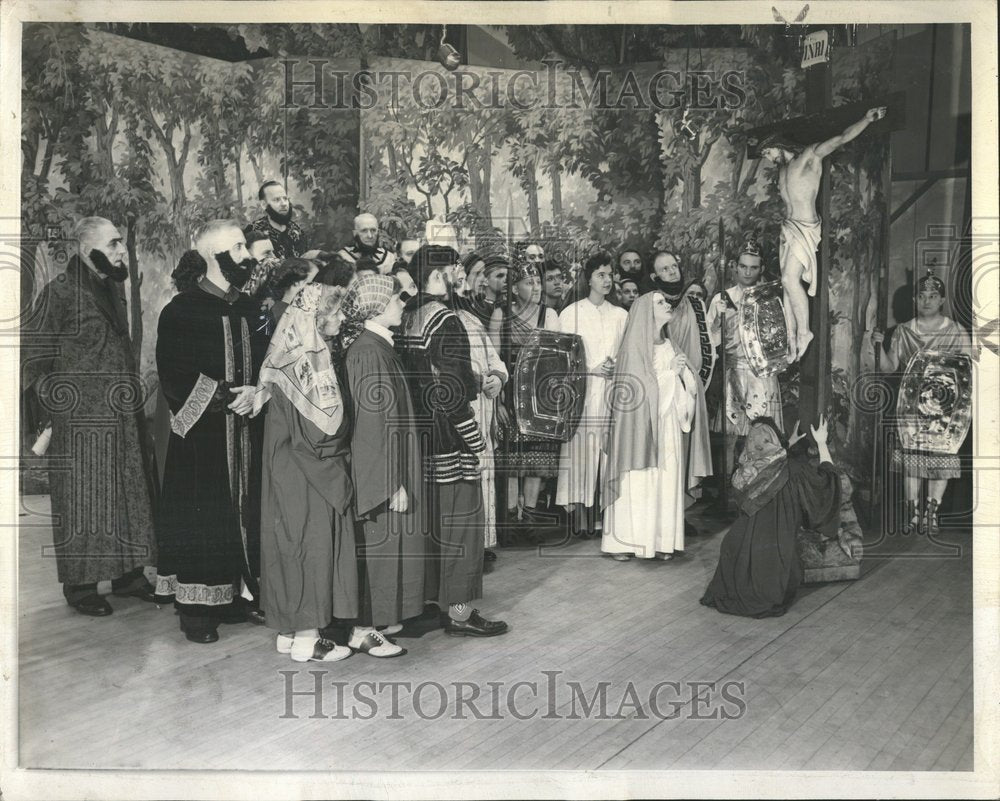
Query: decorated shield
[934,409]
[550,385]
[762,329]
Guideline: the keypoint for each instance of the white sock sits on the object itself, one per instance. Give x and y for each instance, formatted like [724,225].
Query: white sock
[358,633]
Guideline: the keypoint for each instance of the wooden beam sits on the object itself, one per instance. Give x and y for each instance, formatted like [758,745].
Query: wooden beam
[923,175]
[814,372]
[917,193]
[824,123]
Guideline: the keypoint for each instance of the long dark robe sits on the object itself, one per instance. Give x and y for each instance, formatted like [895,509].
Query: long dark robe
[309,568]
[435,352]
[77,354]
[759,573]
[385,456]
[208,510]
[456,518]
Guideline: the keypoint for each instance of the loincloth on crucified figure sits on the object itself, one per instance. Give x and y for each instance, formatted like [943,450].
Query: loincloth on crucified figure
[799,241]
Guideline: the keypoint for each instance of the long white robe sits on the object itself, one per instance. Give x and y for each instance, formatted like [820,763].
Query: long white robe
[648,516]
[601,328]
[485,360]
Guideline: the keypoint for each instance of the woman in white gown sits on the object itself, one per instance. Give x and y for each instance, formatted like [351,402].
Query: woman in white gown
[653,402]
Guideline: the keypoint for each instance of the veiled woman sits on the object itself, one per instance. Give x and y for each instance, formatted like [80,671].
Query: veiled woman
[653,396]
[778,488]
[309,569]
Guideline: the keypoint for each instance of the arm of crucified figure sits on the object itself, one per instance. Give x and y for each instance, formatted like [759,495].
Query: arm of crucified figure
[851,132]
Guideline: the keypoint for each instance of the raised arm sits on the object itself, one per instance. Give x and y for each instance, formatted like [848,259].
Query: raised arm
[851,132]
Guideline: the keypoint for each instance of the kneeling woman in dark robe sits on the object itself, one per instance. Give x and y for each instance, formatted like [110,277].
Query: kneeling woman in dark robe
[778,489]
[308,564]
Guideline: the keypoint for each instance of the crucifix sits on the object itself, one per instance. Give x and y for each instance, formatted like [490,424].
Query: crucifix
[821,124]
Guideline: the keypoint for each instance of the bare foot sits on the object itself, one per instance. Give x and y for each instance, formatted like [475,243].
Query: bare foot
[802,343]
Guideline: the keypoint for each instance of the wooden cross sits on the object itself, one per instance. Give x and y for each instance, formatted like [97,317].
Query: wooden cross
[823,122]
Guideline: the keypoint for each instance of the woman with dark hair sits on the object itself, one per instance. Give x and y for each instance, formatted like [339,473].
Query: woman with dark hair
[929,330]
[653,395]
[189,269]
[527,461]
[435,350]
[778,489]
[285,281]
[600,324]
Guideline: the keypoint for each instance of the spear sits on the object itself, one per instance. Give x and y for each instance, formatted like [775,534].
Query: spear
[724,497]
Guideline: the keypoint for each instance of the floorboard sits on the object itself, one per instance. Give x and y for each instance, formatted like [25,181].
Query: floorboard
[868,675]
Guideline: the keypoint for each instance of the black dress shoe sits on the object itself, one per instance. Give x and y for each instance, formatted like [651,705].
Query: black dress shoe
[256,616]
[92,605]
[489,556]
[475,626]
[202,636]
[198,628]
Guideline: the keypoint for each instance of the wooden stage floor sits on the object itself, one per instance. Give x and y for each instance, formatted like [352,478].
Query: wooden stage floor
[868,675]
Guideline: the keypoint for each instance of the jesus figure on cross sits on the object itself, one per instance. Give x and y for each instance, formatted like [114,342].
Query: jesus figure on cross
[799,175]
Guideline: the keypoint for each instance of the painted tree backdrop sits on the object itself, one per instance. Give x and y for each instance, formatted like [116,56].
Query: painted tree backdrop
[159,140]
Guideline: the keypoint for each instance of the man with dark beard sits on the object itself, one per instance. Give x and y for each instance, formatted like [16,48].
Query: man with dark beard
[366,243]
[76,346]
[207,356]
[276,224]
[434,347]
[689,332]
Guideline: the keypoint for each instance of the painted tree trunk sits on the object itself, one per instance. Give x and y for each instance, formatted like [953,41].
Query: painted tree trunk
[555,174]
[135,280]
[531,189]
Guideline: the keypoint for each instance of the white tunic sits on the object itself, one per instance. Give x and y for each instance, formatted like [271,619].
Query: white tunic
[485,361]
[601,328]
[648,516]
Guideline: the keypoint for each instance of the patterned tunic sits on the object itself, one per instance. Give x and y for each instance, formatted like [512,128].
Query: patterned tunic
[747,396]
[288,243]
[434,346]
[77,353]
